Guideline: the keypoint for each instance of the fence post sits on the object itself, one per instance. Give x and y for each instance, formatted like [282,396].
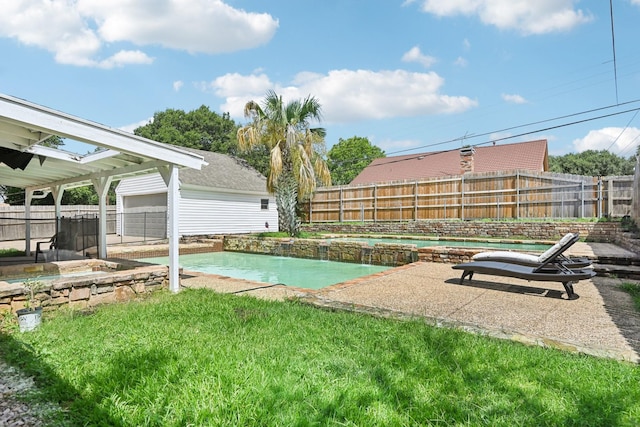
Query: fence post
[518,195]
[599,198]
[582,200]
[375,203]
[462,198]
[362,212]
[415,201]
[340,206]
[610,196]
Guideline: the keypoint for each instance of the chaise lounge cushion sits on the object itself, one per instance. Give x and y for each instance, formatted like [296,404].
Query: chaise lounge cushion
[530,259]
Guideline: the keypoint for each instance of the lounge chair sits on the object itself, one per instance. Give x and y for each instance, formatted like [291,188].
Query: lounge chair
[551,269]
[534,260]
[53,243]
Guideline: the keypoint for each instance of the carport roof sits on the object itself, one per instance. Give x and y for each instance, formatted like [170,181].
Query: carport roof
[24,126]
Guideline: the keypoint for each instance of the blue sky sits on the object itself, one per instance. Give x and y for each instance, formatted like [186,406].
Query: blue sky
[410,75]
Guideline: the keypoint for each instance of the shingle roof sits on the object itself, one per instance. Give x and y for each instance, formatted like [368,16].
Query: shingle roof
[224,172]
[530,155]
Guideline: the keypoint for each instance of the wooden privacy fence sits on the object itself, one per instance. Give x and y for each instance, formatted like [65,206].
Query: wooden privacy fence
[493,195]
[43,219]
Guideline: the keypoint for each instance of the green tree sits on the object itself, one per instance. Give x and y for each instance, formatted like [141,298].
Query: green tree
[592,163]
[349,157]
[296,151]
[202,129]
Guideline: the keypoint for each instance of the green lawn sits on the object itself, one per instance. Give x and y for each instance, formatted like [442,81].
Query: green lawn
[634,290]
[204,359]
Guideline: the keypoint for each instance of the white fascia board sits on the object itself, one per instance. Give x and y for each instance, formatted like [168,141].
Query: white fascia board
[53,153]
[36,117]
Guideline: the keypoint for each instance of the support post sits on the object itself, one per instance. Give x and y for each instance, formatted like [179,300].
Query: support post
[101,185]
[28,195]
[171,178]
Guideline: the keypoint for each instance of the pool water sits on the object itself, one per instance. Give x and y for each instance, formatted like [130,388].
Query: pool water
[420,243]
[298,272]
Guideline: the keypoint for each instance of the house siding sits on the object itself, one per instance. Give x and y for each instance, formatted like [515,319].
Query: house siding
[205,210]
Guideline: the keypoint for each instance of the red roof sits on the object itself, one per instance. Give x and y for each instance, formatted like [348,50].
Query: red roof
[517,156]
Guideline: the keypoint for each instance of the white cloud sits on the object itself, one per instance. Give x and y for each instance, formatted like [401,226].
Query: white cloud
[415,55]
[626,141]
[391,145]
[460,62]
[177,85]
[133,126]
[78,32]
[513,98]
[526,16]
[348,95]
[125,57]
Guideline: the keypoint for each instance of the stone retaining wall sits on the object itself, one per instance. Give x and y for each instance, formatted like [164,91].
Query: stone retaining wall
[603,232]
[123,279]
[344,251]
[86,291]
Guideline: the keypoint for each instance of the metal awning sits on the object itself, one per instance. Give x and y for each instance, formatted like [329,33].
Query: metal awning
[25,163]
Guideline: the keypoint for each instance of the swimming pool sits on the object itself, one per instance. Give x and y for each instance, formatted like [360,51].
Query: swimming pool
[299,272]
[421,243]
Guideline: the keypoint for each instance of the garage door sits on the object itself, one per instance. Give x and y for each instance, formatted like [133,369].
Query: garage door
[145,216]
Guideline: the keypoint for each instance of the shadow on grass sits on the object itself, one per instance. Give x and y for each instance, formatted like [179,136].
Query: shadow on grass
[77,410]
[619,306]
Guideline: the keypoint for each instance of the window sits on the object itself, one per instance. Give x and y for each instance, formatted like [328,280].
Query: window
[264,204]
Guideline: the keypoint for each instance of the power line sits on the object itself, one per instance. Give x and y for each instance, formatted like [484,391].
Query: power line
[466,136]
[622,131]
[516,136]
[613,46]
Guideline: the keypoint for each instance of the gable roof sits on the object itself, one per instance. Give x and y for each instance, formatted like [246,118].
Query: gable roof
[224,172]
[25,163]
[530,155]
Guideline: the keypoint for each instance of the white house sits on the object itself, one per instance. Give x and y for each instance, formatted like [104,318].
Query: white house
[227,196]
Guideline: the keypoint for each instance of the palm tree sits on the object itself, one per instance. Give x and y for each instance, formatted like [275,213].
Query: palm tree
[296,149]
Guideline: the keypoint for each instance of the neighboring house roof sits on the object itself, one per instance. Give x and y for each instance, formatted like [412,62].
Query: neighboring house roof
[531,155]
[224,172]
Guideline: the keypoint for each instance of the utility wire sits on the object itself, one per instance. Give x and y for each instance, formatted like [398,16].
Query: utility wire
[514,136]
[622,131]
[466,136]
[613,46]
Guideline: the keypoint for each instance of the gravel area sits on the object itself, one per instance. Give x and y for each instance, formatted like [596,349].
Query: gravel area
[13,411]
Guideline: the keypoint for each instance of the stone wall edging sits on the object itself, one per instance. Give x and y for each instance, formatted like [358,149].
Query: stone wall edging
[81,293]
[602,232]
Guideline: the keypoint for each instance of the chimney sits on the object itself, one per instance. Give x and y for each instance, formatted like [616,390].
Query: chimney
[466,159]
